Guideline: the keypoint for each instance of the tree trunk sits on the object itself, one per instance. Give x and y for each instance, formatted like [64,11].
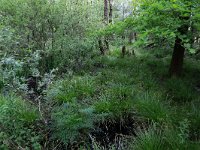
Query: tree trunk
[131,36]
[101,48]
[179,50]
[123,51]
[135,35]
[111,11]
[177,58]
[106,11]
[106,44]
[106,17]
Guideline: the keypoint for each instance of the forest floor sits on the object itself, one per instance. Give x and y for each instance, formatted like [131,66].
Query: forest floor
[134,97]
[111,103]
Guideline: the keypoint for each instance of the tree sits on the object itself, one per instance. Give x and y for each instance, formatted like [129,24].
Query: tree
[104,45]
[106,11]
[159,22]
[178,52]
[111,11]
[170,21]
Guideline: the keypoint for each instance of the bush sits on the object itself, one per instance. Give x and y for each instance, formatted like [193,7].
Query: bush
[72,123]
[17,119]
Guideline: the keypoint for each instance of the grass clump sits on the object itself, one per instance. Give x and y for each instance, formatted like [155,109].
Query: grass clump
[148,140]
[70,90]
[194,117]
[180,90]
[150,106]
[113,108]
[162,137]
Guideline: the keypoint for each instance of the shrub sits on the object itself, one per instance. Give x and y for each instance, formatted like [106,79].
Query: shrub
[72,123]
[17,119]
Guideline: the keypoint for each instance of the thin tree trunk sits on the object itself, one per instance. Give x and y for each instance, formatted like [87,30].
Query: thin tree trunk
[106,11]
[123,51]
[105,45]
[135,35]
[52,36]
[101,48]
[111,11]
[123,47]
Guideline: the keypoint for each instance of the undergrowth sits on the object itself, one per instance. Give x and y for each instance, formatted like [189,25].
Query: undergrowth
[123,104]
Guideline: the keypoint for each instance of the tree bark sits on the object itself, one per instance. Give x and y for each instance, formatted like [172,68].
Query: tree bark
[101,48]
[106,11]
[105,43]
[177,58]
[111,10]
[176,66]
[135,36]
[123,51]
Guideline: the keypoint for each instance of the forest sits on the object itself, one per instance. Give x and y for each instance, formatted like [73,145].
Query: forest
[99,75]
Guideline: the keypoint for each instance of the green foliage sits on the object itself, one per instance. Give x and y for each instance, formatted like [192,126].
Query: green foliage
[112,107]
[158,23]
[150,106]
[22,110]
[180,90]
[194,118]
[8,40]
[167,138]
[151,140]
[10,70]
[39,37]
[17,119]
[71,123]
[50,27]
[71,90]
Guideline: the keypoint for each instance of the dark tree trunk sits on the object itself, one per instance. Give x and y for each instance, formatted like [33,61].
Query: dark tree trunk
[176,66]
[111,10]
[106,44]
[177,58]
[52,36]
[123,51]
[123,47]
[101,48]
[135,35]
